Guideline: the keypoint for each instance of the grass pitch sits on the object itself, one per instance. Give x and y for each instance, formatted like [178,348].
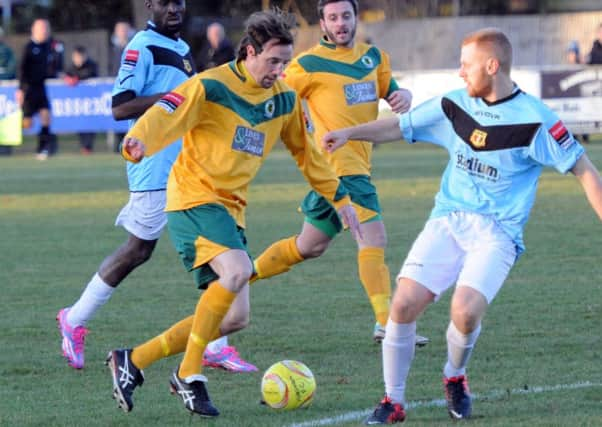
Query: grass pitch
[543,330]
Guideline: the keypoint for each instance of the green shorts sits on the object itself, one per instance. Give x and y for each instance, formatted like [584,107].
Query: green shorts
[202,233]
[321,214]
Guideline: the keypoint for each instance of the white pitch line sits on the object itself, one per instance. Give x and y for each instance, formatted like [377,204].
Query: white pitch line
[493,394]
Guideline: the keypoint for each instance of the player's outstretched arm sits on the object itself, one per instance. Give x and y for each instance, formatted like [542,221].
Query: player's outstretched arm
[590,180]
[377,131]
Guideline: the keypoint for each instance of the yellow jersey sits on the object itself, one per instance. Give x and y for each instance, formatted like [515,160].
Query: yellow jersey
[229,125]
[342,87]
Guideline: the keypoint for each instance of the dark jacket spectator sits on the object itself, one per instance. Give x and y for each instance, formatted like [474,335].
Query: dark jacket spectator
[595,55]
[82,68]
[220,48]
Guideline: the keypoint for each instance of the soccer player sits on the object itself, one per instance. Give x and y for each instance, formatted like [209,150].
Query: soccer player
[231,117]
[154,62]
[499,139]
[342,81]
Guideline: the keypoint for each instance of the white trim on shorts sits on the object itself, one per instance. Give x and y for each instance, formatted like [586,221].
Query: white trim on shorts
[144,214]
[462,248]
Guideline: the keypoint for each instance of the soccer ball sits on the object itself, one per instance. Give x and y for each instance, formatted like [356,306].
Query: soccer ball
[288,384]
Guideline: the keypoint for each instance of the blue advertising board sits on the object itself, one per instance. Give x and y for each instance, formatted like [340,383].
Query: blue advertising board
[85,107]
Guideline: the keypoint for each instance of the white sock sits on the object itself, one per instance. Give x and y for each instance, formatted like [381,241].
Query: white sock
[96,294]
[398,353]
[459,349]
[216,346]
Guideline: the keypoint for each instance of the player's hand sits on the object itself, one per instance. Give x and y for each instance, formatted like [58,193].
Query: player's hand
[350,219]
[133,148]
[400,101]
[19,97]
[334,139]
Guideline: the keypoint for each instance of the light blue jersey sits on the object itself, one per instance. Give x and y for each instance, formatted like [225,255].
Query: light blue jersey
[152,63]
[497,152]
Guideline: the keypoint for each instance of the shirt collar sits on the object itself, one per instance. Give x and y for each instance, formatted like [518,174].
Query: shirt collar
[241,71]
[330,45]
[151,26]
[515,91]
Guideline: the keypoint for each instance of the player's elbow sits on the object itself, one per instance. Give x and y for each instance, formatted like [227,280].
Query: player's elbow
[119,113]
[125,112]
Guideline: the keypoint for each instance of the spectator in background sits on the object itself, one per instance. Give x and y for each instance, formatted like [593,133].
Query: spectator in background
[573,56]
[220,48]
[573,53]
[82,68]
[42,59]
[595,55]
[122,34]
[8,64]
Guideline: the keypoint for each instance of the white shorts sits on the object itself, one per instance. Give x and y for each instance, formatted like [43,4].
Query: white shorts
[464,248]
[144,214]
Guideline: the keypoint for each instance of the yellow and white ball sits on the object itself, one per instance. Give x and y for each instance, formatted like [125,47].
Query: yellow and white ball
[288,384]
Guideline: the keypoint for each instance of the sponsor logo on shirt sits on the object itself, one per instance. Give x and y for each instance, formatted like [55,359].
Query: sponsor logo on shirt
[561,135]
[248,141]
[478,138]
[473,166]
[130,60]
[171,102]
[360,93]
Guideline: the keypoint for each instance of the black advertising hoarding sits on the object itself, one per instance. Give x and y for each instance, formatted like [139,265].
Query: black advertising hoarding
[575,94]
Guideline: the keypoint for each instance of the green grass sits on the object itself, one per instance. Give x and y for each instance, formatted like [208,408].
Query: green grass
[544,328]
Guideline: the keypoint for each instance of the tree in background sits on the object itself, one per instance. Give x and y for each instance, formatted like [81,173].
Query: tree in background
[70,15]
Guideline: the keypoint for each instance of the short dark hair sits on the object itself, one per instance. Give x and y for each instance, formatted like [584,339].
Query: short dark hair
[322,3]
[261,27]
[80,49]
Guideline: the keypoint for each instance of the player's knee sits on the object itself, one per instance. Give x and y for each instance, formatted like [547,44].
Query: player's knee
[141,254]
[381,241]
[403,310]
[237,275]
[373,240]
[137,251]
[312,243]
[465,319]
[315,250]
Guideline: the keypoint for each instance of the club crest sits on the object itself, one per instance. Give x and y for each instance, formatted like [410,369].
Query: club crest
[367,61]
[478,138]
[270,107]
